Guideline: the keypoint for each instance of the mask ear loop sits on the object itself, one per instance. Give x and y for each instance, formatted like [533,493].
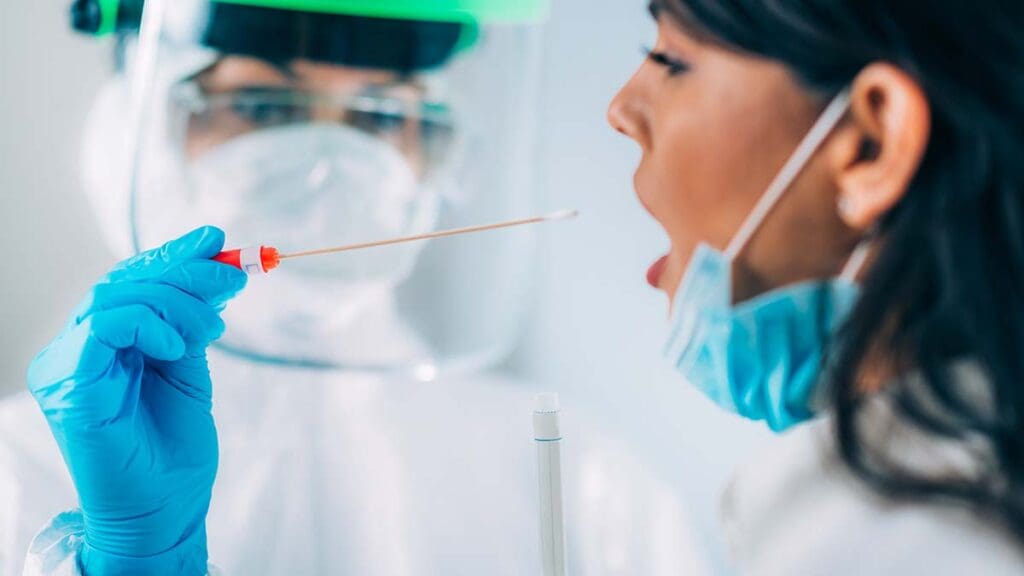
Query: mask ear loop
[821,130]
[857,260]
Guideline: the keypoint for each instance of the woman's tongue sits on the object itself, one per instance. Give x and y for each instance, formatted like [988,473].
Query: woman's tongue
[655,271]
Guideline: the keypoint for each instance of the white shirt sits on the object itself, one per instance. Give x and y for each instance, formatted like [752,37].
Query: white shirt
[798,510]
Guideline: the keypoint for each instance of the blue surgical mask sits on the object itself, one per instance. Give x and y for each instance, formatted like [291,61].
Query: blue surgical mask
[762,358]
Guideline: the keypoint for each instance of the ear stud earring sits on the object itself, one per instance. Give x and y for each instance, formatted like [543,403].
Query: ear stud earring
[847,207]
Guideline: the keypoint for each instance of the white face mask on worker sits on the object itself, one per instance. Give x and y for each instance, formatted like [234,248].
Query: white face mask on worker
[315,185]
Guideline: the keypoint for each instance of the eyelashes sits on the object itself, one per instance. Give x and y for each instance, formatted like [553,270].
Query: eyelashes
[673,66]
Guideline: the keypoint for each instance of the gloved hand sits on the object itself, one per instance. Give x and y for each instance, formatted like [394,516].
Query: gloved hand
[127,393]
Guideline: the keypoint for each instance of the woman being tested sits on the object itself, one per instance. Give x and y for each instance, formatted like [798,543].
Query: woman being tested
[841,184]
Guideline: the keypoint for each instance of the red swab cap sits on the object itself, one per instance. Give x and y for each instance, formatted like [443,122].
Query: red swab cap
[251,260]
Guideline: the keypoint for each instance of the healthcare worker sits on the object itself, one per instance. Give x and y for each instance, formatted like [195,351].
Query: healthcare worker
[842,187]
[341,423]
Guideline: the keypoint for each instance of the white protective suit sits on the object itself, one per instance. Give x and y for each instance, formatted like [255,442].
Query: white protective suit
[332,473]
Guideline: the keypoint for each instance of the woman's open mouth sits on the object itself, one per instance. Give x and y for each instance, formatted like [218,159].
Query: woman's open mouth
[655,271]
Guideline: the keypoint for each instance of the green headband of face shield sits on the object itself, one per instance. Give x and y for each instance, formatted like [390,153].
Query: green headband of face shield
[101,17]
[466,11]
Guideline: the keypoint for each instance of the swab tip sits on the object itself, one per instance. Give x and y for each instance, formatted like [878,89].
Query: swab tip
[562,215]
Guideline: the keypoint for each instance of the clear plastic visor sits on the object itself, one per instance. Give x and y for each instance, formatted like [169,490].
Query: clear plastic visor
[305,130]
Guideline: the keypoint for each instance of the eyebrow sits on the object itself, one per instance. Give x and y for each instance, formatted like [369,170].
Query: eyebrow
[204,77]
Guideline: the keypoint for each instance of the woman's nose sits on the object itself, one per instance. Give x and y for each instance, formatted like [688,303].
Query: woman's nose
[617,115]
[624,114]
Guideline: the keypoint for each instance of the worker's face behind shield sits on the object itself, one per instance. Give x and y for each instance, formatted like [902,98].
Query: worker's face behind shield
[239,95]
[322,145]
[307,153]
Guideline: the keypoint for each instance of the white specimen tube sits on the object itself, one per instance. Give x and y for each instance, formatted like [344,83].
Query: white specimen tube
[548,437]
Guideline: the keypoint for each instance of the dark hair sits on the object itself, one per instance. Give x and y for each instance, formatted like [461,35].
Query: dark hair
[948,284]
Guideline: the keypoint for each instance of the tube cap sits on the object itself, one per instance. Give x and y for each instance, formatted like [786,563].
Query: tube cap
[547,402]
[546,427]
[252,260]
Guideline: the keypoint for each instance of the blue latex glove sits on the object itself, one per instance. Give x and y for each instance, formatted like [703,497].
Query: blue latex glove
[127,393]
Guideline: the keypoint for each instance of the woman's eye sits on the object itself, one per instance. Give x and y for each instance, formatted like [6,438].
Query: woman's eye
[673,66]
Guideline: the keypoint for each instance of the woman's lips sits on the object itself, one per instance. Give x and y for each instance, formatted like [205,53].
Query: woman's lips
[655,271]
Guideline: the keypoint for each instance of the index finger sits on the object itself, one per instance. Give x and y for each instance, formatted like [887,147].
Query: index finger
[200,244]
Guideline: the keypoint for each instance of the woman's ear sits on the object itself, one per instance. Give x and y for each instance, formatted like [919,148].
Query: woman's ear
[878,151]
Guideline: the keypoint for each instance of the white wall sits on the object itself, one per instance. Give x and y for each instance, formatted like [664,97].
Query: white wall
[598,327]
[51,247]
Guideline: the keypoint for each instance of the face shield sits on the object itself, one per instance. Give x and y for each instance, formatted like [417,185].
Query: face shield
[309,123]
